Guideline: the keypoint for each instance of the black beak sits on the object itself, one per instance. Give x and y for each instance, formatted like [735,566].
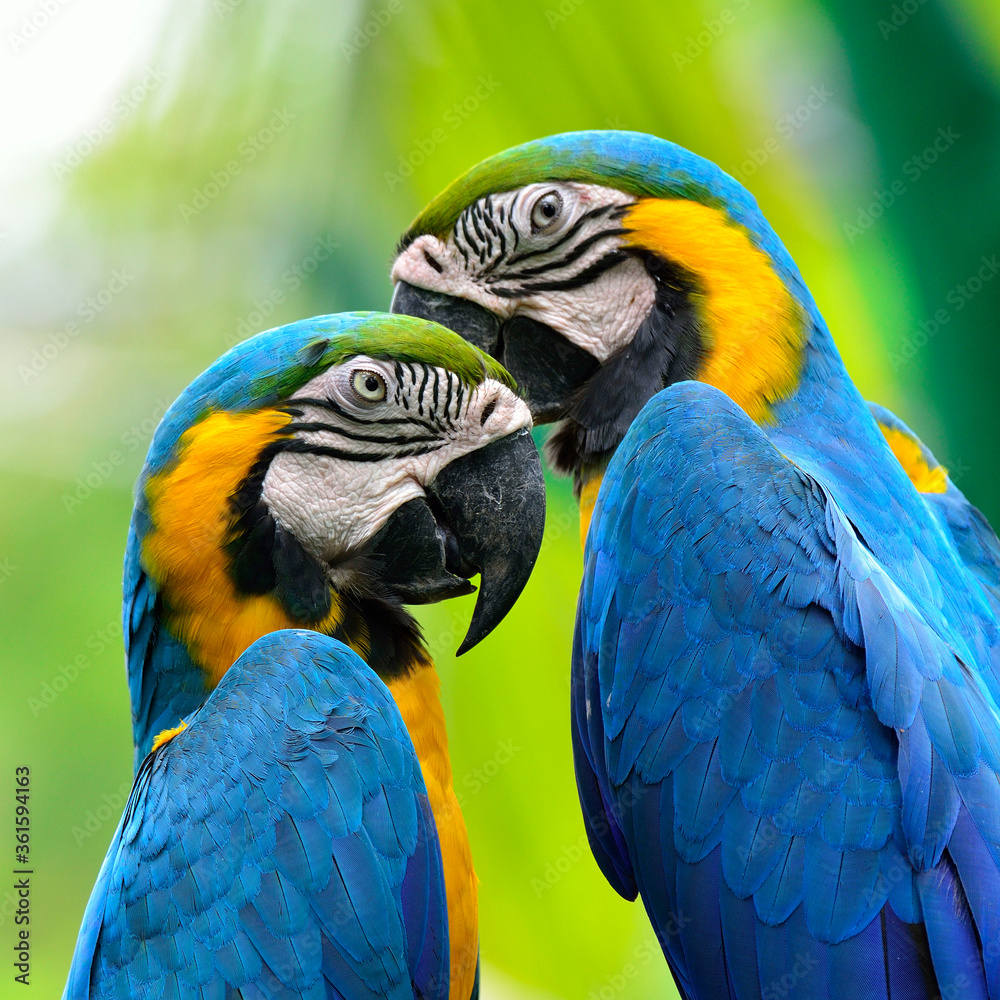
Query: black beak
[484,513]
[545,365]
[477,325]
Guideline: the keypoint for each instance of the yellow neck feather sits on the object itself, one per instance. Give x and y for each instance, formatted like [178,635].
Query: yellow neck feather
[925,477]
[418,697]
[588,497]
[754,329]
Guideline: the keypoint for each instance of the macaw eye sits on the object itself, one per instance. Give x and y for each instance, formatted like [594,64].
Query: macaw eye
[369,385]
[547,210]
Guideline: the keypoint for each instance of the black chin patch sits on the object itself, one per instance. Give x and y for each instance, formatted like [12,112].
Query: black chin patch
[249,548]
[265,558]
[668,347]
[300,580]
[545,365]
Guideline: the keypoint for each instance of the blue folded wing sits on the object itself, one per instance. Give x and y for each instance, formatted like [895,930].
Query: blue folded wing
[796,771]
[977,548]
[281,845]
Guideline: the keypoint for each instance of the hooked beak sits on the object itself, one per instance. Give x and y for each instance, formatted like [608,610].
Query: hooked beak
[484,513]
[545,365]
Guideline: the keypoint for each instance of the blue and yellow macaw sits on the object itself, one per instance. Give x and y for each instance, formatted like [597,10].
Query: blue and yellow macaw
[292,829]
[785,666]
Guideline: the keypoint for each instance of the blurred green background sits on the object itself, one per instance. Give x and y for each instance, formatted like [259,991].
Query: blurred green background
[239,164]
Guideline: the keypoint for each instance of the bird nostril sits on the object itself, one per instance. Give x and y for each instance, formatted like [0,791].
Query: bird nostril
[488,411]
[433,263]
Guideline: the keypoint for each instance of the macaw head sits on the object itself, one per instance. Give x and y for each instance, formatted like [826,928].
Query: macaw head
[600,267]
[324,474]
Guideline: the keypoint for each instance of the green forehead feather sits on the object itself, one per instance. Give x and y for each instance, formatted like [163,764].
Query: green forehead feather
[582,157]
[403,338]
[385,336]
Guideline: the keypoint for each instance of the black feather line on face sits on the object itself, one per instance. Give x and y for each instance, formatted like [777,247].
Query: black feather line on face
[570,233]
[668,347]
[585,277]
[570,258]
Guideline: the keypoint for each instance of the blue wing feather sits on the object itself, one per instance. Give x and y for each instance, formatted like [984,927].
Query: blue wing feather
[803,754]
[602,824]
[282,843]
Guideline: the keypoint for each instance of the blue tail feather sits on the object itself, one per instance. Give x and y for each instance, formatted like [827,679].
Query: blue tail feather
[739,941]
[699,924]
[980,880]
[951,934]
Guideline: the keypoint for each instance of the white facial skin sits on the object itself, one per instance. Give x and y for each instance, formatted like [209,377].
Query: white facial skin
[599,316]
[333,505]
